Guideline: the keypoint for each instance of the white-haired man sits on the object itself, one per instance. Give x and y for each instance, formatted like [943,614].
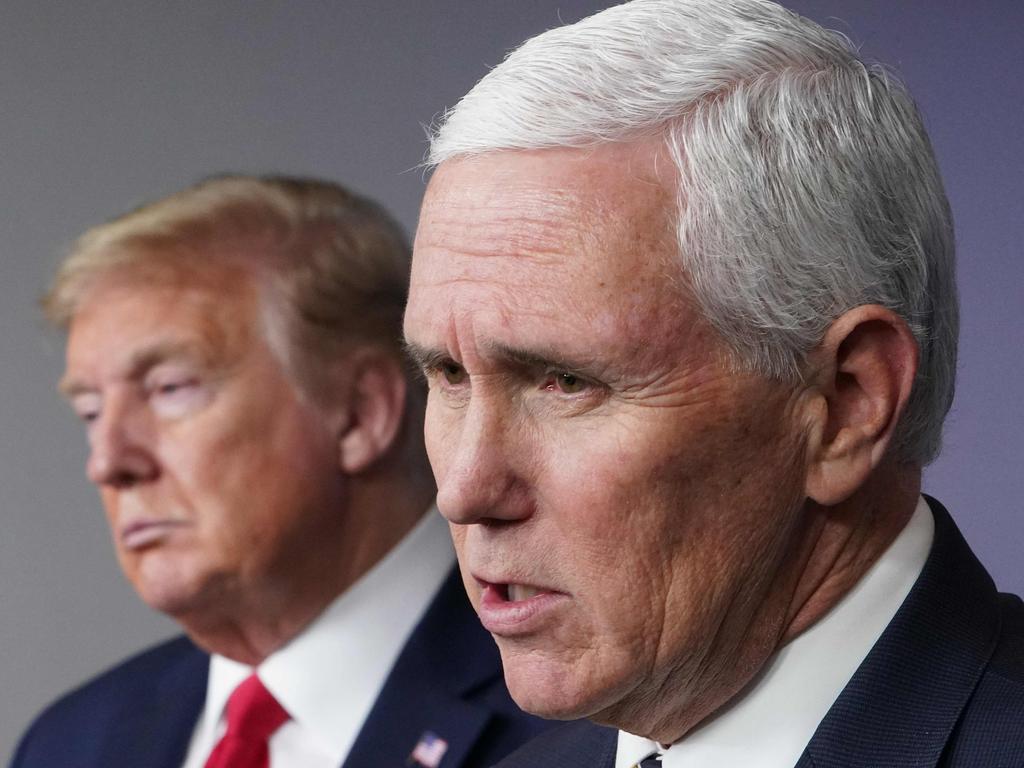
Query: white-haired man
[683,290]
[234,352]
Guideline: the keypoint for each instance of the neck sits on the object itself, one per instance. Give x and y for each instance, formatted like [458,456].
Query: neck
[249,636]
[852,537]
[838,546]
[249,625]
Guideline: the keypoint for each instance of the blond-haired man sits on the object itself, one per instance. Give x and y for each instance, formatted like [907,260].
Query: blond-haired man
[233,352]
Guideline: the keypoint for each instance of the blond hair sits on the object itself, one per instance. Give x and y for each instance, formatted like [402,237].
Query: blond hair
[336,264]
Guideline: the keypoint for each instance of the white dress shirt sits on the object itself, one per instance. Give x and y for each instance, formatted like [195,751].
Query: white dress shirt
[329,677]
[772,723]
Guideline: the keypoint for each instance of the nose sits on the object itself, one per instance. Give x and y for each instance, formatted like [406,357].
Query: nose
[119,447]
[480,479]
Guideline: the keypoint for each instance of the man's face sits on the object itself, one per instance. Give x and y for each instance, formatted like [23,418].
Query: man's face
[220,482]
[625,506]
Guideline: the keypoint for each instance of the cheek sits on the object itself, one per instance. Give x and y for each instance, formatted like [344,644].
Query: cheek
[227,484]
[641,517]
[459,539]
[459,536]
[109,497]
[238,452]
[440,433]
[602,485]
[613,531]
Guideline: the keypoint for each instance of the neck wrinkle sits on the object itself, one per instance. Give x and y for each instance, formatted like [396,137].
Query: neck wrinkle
[854,535]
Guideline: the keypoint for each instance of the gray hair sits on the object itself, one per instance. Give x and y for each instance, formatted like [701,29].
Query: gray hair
[807,183]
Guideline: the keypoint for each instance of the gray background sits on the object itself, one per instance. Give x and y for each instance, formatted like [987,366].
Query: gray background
[104,104]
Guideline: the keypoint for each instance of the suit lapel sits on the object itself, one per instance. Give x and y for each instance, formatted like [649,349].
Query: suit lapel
[902,704]
[593,746]
[155,732]
[447,657]
[579,744]
[599,749]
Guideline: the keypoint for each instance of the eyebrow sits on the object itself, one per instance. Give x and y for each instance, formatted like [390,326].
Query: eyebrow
[425,358]
[540,359]
[141,361]
[429,359]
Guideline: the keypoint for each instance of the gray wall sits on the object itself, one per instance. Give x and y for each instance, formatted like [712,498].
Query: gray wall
[104,104]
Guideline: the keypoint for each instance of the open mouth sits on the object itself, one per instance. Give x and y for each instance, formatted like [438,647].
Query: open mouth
[514,593]
[509,594]
[509,608]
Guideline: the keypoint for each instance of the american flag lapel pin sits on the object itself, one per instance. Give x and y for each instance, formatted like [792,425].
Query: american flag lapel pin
[428,750]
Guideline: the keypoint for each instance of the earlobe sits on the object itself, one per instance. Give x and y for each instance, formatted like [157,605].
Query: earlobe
[375,406]
[864,372]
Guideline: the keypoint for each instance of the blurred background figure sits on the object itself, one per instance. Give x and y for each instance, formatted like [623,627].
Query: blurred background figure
[233,353]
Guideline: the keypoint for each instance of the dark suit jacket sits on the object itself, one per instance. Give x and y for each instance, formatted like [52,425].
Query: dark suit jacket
[447,680]
[942,688]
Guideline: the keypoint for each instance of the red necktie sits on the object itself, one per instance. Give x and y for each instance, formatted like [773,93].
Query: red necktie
[253,716]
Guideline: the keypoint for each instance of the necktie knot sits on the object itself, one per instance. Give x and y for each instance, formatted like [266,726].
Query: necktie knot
[253,712]
[253,715]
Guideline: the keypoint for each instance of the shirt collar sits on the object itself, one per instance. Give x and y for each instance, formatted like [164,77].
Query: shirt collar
[771,724]
[329,676]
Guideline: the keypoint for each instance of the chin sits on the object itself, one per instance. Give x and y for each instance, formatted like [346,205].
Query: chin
[552,690]
[170,590]
[168,600]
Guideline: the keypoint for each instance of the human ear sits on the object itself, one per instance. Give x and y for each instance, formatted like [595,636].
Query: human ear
[863,372]
[374,408]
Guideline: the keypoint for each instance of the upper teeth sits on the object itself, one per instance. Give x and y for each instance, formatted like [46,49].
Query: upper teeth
[518,592]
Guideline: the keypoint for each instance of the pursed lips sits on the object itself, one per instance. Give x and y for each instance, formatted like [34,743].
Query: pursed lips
[141,533]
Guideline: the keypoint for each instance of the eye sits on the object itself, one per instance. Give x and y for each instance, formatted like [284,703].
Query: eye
[86,407]
[174,392]
[567,383]
[453,373]
[172,387]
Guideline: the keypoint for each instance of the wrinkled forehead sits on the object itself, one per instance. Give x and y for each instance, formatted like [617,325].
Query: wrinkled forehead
[524,240]
[601,213]
[210,311]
